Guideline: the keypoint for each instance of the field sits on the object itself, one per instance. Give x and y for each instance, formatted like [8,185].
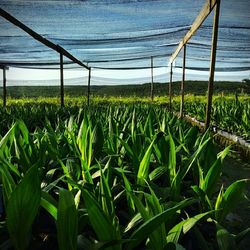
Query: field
[125,175]
[137,90]
[117,166]
[229,112]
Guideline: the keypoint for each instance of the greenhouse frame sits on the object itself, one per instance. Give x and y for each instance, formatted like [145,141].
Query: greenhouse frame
[125,124]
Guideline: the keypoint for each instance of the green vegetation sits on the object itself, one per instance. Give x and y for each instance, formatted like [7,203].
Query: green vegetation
[112,177]
[138,90]
[229,112]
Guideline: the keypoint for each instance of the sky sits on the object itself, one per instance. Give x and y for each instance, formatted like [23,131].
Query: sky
[21,76]
[104,32]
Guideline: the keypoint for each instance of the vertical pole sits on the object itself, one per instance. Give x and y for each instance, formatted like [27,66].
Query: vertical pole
[152,79]
[212,64]
[183,81]
[170,87]
[4,86]
[89,85]
[62,80]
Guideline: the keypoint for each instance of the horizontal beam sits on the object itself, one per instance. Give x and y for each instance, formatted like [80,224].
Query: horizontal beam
[206,10]
[4,67]
[71,57]
[40,38]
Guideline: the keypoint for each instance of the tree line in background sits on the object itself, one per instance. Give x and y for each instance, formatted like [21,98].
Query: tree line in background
[140,90]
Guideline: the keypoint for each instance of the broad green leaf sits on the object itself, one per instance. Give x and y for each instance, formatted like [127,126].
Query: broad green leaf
[140,207]
[190,137]
[157,173]
[133,222]
[8,184]
[208,156]
[49,204]
[172,158]
[203,244]
[86,172]
[133,126]
[23,207]
[148,125]
[158,237]
[214,173]
[99,221]
[66,172]
[77,198]
[184,226]
[153,223]
[67,221]
[193,158]
[161,148]
[225,240]
[97,140]
[219,204]
[242,235]
[190,222]
[143,171]
[128,188]
[131,154]
[175,233]
[9,137]
[106,196]
[212,177]
[206,203]
[230,199]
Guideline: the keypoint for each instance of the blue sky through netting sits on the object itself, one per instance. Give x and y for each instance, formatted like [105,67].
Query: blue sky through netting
[124,34]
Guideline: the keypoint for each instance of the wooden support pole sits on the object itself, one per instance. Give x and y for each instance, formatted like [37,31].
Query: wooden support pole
[89,85]
[152,79]
[212,64]
[61,80]
[205,11]
[4,87]
[170,87]
[183,82]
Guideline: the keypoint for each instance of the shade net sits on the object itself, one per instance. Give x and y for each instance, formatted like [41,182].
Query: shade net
[123,35]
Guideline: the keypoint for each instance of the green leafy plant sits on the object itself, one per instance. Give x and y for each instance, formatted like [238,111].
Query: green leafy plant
[23,207]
